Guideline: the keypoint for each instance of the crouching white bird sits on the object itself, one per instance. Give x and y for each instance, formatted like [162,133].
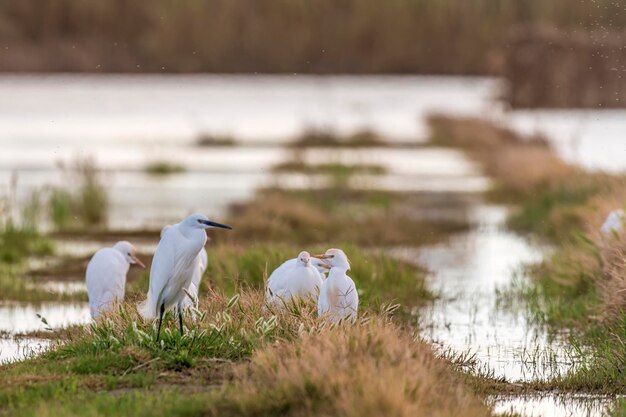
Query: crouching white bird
[338,296]
[106,276]
[202,261]
[174,265]
[614,224]
[295,278]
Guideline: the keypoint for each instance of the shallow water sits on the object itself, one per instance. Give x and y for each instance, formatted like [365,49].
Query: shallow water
[12,350]
[128,121]
[22,318]
[554,405]
[468,272]
[216,178]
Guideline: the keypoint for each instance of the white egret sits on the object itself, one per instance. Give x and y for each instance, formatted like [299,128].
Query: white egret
[106,276]
[174,265]
[202,261]
[318,264]
[614,224]
[295,278]
[338,296]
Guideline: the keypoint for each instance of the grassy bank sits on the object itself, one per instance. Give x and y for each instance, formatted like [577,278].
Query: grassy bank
[580,285]
[237,358]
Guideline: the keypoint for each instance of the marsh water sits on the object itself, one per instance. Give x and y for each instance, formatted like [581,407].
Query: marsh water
[126,122]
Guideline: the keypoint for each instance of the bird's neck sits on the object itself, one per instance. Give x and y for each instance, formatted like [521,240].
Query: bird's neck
[338,271]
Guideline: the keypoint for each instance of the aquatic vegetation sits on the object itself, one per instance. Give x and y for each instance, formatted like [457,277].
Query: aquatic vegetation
[84,206]
[163,168]
[315,137]
[520,165]
[333,169]
[367,218]
[213,140]
[20,237]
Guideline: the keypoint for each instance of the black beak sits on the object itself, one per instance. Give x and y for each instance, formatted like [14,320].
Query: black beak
[215,224]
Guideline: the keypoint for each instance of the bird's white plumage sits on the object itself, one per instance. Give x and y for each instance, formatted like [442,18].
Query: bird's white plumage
[173,265]
[106,277]
[614,224]
[201,263]
[338,298]
[294,278]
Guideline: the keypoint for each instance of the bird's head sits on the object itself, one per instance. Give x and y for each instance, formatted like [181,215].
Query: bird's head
[200,221]
[319,264]
[304,258]
[335,258]
[129,252]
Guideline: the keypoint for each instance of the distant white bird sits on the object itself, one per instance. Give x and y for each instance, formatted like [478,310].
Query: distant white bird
[295,278]
[174,265]
[106,276]
[319,265]
[338,296]
[614,224]
[202,261]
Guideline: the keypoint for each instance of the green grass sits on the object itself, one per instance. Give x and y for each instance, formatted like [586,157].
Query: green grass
[86,205]
[206,140]
[333,169]
[378,277]
[159,168]
[16,243]
[553,210]
[239,358]
[313,137]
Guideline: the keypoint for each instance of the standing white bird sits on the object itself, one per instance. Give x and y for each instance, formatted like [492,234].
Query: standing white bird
[295,278]
[106,276]
[174,265]
[614,224]
[202,261]
[339,298]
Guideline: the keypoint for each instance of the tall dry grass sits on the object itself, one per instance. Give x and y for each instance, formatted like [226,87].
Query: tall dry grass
[310,36]
[548,67]
[522,165]
[370,369]
[612,284]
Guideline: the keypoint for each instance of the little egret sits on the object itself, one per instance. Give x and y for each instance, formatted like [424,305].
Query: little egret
[614,224]
[294,278]
[174,265]
[202,261]
[106,276]
[338,296]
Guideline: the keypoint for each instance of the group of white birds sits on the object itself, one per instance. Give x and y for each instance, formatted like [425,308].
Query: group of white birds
[180,260]
[179,263]
[304,278]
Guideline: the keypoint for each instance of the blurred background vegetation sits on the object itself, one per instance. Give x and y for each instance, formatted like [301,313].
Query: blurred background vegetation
[281,36]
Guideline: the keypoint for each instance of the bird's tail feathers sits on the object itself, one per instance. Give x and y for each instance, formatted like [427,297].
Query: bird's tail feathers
[147,308]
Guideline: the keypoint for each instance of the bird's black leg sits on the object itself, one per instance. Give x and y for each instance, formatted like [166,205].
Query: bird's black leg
[161,311]
[180,318]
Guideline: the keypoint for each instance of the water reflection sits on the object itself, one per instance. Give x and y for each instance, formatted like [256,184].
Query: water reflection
[12,350]
[22,317]
[553,405]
